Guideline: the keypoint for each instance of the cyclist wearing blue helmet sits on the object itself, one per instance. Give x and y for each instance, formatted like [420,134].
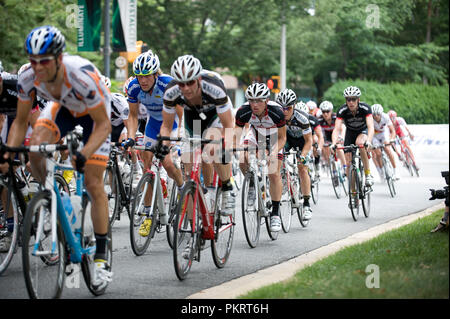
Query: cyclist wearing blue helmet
[77,97]
[148,89]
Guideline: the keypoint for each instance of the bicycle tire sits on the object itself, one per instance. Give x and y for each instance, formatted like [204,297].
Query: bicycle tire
[11,200]
[285,204]
[353,195]
[41,202]
[88,240]
[224,233]
[171,211]
[335,182]
[250,217]
[111,186]
[139,244]
[185,235]
[389,177]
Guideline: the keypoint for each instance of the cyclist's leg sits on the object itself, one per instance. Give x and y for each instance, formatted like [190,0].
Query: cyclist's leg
[361,139]
[408,146]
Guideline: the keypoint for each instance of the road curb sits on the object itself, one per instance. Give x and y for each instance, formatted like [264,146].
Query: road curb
[286,270]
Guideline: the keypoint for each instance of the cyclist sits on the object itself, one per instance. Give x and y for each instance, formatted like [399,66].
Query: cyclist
[78,96]
[267,124]
[400,127]
[327,122]
[317,136]
[148,88]
[8,109]
[207,113]
[357,117]
[383,133]
[313,109]
[299,136]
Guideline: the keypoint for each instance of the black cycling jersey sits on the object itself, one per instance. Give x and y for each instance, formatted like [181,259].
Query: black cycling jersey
[296,127]
[272,119]
[327,128]
[214,101]
[314,122]
[355,122]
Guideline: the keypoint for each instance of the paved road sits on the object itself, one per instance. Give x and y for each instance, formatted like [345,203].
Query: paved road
[153,276]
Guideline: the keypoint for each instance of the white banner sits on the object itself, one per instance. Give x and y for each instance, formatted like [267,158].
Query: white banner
[431,142]
[128,17]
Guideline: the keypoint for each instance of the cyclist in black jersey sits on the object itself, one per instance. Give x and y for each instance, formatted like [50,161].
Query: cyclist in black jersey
[267,123]
[207,113]
[357,117]
[298,135]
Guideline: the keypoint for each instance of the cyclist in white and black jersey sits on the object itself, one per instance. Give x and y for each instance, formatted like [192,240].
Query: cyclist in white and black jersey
[267,128]
[207,113]
[358,120]
[384,133]
[78,96]
[299,136]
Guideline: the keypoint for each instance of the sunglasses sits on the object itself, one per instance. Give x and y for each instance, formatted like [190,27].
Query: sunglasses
[256,101]
[42,61]
[287,108]
[183,84]
[326,111]
[351,99]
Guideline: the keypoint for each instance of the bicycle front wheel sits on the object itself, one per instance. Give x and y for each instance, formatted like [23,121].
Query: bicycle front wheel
[142,226]
[224,233]
[250,215]
[286,212]
[111,185]
[88,243]
[171,211]
[353,191]
[43,268]
[186,229]
[335,178]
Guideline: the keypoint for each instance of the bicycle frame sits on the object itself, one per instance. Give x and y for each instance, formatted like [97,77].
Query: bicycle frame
[73,239]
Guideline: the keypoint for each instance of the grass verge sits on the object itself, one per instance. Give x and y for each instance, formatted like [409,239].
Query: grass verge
[409,262]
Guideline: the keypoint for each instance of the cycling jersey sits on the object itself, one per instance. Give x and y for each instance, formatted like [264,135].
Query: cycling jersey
[214,101]
[119,109]
[381,127]
[269,124]
[327,128]
[399,125]
[296,127]
[152,100]
[314,122]
[82,90]
[355,122]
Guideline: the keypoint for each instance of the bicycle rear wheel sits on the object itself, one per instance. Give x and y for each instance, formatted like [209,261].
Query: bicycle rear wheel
[186,229]
[88,242]
[44,272]
[224,233]
[111,185]
[250,215]
[171,211]
[140,243]
[335,178]
[353,191]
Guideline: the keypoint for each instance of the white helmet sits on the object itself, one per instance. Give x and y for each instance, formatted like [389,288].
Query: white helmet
[186,68]
[377,109]
[24,67]
[257,91]
[146,63]
[301,106]
[311,105]
[106,80]
[286,97]
[352,91]
[126,84]
[326,106]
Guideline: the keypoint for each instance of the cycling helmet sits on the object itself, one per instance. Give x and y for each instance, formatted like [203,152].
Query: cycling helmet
[24,67]
[352,91]
[311,105]
[377,109]
[257,91]
[146,63]
[106,80]
[186,68]
[392,114]
[301,106]
[326,106]
[286,97]
[45,40]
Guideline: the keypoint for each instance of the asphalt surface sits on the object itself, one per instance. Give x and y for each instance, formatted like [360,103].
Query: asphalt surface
[152,275]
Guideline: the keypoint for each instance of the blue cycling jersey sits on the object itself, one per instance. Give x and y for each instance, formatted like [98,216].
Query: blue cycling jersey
[154,101]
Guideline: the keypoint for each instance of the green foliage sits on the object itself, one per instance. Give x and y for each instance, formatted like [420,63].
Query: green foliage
[416,103]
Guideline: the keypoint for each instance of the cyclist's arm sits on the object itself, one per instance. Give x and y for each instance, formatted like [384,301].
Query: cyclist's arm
[180,113]
[337,130]
[308,144]
[391,132]
[320,138]
[370,128]
[19,126]
[226,118]
[132,120]
[281,138]
[101,131]
[167,124]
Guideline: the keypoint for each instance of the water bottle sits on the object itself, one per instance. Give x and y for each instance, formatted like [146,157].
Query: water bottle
[164,187]
[76,208]
[210,197]
[126,174]
[71,212]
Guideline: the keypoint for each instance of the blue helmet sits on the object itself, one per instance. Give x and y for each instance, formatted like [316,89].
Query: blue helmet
[146,63]
[45,40]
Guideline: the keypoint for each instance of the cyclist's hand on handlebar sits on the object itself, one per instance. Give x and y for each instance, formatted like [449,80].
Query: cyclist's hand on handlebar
[128,143]
[160,151]
[303,159]
[368,145]
[78,161]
